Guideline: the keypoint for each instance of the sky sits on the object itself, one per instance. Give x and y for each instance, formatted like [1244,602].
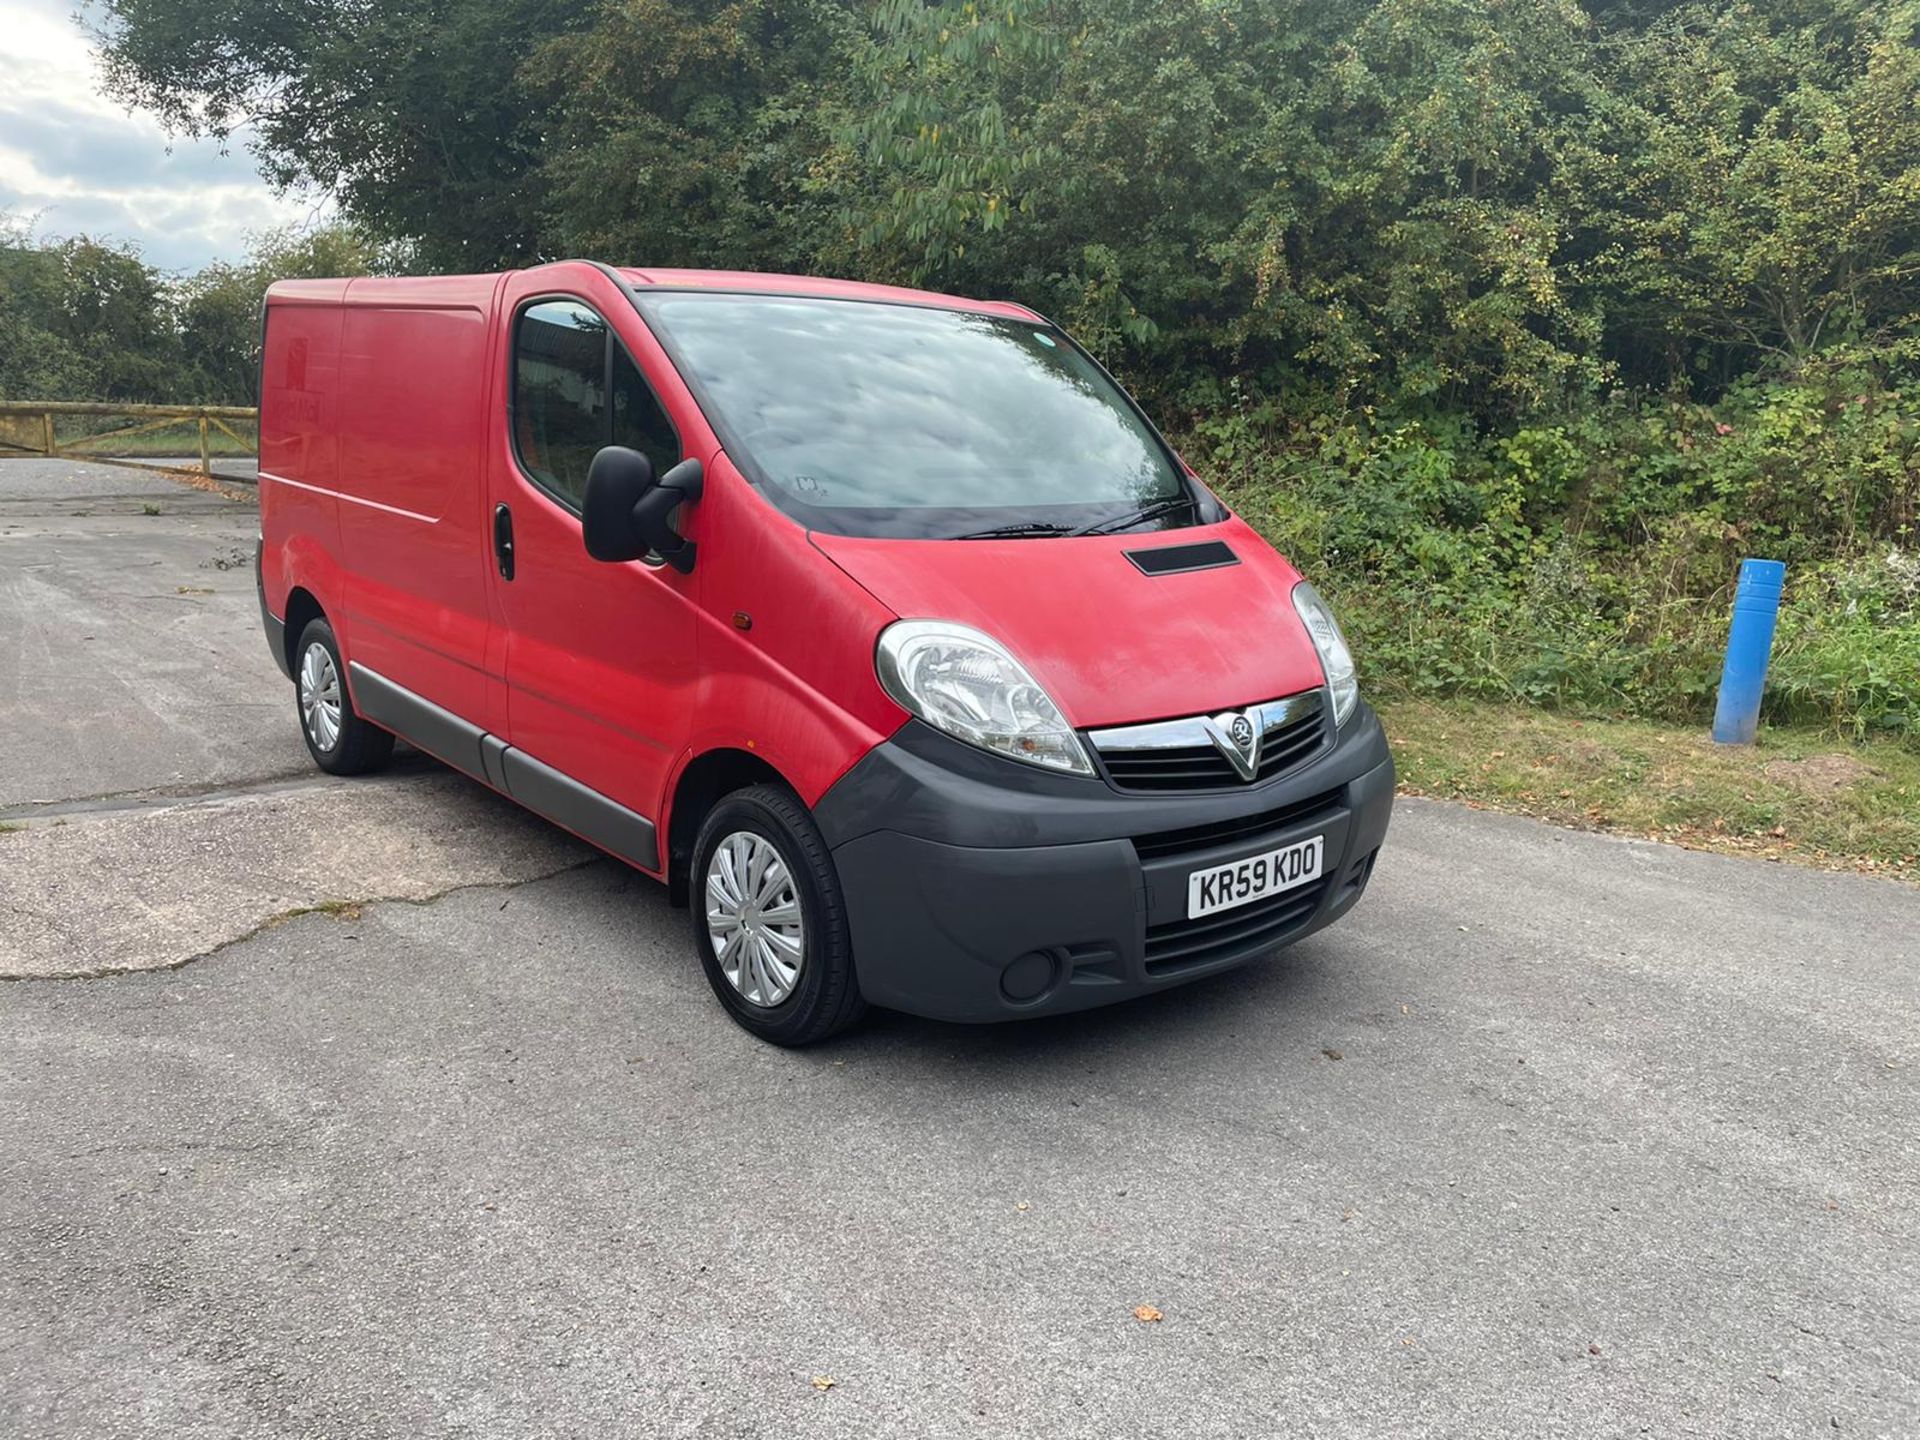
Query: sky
[73,161]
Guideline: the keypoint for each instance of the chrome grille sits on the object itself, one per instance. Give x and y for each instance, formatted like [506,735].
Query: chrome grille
[1193,753]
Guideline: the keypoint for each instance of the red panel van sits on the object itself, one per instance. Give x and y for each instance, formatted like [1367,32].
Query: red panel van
[881,625]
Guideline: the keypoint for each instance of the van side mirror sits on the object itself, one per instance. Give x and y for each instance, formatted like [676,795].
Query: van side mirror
[627,514]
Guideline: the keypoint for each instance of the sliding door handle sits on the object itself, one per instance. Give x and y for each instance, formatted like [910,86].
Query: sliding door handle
[503,540]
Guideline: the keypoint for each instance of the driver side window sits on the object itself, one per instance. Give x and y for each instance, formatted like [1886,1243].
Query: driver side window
[575,389]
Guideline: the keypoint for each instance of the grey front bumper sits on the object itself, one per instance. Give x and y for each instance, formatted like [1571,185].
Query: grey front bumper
[981,889]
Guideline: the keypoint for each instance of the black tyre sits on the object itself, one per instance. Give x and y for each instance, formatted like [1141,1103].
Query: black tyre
[340,742]
[769,919]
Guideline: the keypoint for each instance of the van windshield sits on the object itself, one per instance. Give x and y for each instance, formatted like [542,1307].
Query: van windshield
[871,418]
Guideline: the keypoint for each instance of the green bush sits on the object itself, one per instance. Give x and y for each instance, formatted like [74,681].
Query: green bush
[1590,566]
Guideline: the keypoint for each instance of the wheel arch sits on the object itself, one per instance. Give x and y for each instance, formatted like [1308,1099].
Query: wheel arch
[303,608]
[705,780]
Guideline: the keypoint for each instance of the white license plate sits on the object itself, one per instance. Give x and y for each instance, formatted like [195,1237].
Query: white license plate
[1241,882]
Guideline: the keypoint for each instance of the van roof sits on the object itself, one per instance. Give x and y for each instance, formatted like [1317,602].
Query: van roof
[474,289]
[774,284]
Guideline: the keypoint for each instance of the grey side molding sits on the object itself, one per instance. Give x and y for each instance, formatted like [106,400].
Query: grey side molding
[441,733]
[588,813]
[487,758]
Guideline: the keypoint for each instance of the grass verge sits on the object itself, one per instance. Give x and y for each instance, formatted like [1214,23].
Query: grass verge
[174,441]
[1799,795]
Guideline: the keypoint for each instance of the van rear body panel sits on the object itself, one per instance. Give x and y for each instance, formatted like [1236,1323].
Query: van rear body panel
[300,443]
[414,387]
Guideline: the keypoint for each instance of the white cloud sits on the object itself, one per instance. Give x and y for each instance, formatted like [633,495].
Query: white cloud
[76,161]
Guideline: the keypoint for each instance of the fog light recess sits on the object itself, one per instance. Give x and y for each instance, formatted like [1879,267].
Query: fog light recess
[1030,977]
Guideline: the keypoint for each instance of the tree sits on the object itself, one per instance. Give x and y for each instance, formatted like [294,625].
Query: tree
[83,320]
[1491,210]
[1357,195]
[688,134]
[35,363]
[1760,186]
[219,307]
[411,114]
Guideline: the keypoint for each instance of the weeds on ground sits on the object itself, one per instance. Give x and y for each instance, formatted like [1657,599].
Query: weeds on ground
[1797,795]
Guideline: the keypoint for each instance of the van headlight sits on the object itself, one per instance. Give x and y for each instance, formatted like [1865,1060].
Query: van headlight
[1335,658]
[965,683]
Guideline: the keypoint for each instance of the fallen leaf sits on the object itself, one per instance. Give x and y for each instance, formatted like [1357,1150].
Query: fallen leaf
[823,1382]
[1593,1349]
[1147,1315]
[1333,1054]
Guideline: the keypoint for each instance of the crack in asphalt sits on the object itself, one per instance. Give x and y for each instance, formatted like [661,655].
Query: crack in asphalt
[332,908]
[174,796]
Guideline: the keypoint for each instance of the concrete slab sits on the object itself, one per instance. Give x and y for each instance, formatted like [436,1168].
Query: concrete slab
[131,656]
[159,800]
[1556,1136]
[97,891]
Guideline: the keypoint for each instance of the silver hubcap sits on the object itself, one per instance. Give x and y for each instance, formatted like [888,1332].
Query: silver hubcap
[320,696]
[753,918]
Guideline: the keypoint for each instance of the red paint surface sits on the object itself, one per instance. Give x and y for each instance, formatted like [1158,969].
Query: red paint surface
[599,660]
[385,448]
[1109,644]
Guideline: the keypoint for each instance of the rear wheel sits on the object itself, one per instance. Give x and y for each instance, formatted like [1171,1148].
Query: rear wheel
[340,742]
[769,921]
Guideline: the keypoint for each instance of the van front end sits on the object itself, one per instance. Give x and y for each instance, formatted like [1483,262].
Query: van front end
[981,888]
[1131,750]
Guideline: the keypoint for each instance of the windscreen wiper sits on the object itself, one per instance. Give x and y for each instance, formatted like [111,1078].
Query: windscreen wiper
[1170,506]
[1023,530]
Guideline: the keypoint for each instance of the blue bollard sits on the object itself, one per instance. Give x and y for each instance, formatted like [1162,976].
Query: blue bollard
[1756,606]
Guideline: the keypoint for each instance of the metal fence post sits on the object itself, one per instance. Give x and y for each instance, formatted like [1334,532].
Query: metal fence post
[206,465]
[1756,607]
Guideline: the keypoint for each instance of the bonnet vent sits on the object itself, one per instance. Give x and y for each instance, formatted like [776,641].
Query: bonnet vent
[1176,559]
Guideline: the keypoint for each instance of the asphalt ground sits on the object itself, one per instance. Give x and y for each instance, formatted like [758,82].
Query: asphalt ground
[1556,1135]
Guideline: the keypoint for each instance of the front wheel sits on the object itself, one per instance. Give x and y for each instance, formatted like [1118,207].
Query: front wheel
[769,920]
